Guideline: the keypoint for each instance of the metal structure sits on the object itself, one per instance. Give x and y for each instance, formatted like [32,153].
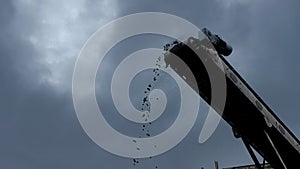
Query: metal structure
[250,118]
[265,166]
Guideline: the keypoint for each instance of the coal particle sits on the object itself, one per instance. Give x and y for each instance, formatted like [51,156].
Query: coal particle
[144,100]
[148,134]
[135,161]
[144,126]
[149,85]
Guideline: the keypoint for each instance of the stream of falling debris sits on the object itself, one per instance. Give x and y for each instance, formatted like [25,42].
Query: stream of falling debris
[146,106]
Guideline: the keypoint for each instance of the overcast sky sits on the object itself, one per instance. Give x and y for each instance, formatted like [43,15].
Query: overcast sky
[39,44]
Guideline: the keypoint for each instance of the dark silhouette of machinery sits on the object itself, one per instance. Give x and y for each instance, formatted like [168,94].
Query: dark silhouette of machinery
[219,44]
[250,117]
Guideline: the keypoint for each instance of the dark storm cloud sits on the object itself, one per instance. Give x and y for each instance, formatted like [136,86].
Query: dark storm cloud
[38,125]
[17,67]
[28,108]
[39,128]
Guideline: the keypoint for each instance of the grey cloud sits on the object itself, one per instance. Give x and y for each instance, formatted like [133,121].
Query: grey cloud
[37,121]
